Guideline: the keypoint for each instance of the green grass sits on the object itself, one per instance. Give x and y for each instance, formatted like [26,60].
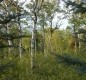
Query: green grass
[46,68]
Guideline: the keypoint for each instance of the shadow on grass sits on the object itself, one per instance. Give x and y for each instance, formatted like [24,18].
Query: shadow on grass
[68,60]
[6,66]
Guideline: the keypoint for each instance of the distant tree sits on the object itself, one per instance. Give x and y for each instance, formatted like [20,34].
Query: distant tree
[82,37]
[77,19]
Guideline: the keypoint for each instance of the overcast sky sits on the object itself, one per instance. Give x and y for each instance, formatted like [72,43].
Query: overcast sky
[64,21]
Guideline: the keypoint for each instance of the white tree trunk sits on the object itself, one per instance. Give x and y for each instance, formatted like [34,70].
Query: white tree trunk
[20,48]
[33,40]
[20,40]
[79,41]
[9,41]
[33,49]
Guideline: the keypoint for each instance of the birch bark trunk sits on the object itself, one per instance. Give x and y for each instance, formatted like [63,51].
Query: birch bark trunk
[9,41]
[35,12]
[33,47]
[20,40]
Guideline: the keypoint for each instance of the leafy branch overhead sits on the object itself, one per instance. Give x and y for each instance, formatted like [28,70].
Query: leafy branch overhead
[8,18]
[77,7]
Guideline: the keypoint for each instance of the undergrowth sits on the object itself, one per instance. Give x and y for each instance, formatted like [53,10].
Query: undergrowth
[47,68]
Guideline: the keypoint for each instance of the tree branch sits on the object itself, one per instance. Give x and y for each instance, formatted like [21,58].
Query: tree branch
[77,7]
[8,18]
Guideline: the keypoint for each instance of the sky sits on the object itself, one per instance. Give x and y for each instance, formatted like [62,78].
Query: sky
[64,21]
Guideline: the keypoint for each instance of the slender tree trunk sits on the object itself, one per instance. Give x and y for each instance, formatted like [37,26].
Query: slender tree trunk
[20,40]
[33,40]
[20,48]
[43,37]
[76,43]
[75,46]
[79,41]
[43,42]
[33,43]
[9,41]
[50,38]
[75,37]
[50,43]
